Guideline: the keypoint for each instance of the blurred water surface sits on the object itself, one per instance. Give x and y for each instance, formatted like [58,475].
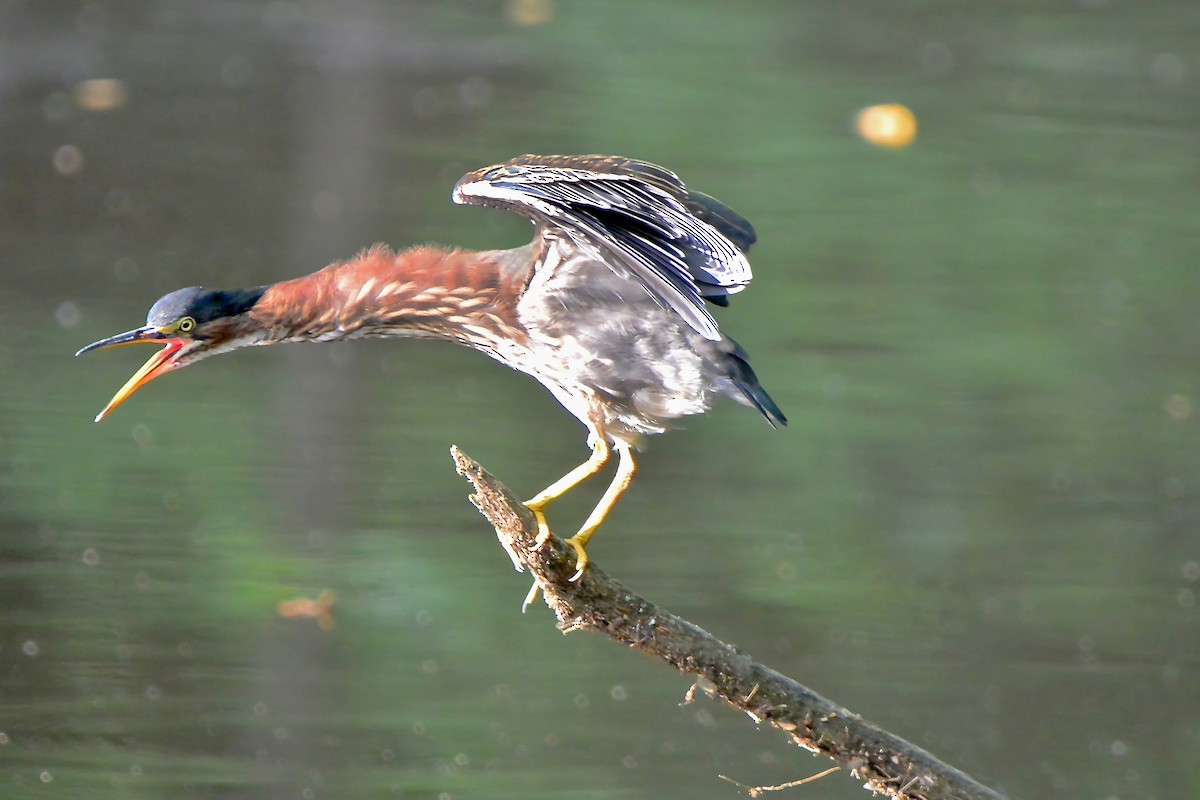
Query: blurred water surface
[980,529]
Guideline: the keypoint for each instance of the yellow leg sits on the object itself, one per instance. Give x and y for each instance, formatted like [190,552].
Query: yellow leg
[595,462]
[620,482]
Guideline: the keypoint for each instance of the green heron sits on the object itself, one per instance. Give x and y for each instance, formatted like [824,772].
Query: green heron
[605,307]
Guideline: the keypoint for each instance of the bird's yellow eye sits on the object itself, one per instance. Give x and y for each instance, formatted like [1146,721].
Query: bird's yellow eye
[185,325]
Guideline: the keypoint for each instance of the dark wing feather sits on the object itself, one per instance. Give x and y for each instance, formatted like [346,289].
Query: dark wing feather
[732,224]
[683,246]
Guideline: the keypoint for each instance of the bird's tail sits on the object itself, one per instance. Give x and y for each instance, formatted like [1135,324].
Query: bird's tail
[747,383]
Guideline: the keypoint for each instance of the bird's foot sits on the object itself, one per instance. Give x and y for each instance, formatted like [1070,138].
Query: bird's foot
[543,527]
[543,535]
[577,543]
[533,593]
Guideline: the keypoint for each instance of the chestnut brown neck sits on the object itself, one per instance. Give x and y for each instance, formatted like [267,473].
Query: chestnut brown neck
[421,292]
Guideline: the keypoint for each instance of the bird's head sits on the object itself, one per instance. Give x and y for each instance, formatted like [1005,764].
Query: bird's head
[191,324]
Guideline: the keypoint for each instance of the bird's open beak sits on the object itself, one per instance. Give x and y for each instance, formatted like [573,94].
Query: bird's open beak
[158,364]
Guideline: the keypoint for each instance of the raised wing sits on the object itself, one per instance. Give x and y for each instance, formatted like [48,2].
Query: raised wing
[683,246]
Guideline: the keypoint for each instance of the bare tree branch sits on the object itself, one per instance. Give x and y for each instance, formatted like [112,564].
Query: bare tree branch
[886,763]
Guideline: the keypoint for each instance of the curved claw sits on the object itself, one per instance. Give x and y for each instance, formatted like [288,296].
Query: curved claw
[543,536]
[577,543]
[543,526]
[581,558]
[581,562]
[529,598]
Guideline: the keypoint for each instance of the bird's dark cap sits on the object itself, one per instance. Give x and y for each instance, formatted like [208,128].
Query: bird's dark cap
[202,305]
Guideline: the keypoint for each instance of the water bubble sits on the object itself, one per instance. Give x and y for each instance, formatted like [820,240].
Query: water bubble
[936,58]
[475,93]
[891,125]
[1168,69]
[68,159]
[100,94]
[527,13]
[67,315]
[1179,407]
[143,437]
[125,268]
